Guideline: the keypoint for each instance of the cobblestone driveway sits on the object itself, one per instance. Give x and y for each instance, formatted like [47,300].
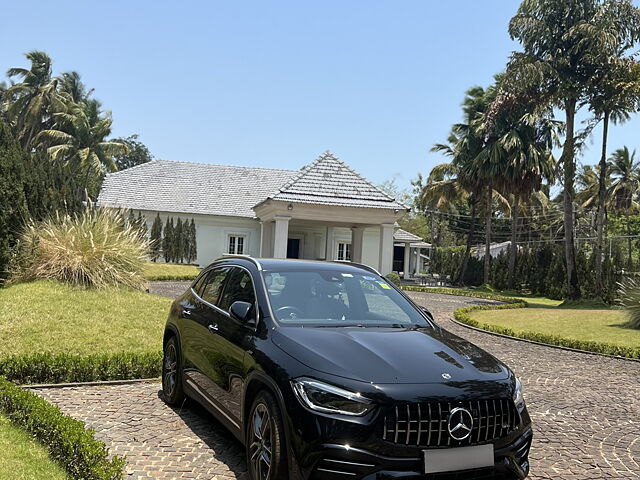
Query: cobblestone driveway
[585,408]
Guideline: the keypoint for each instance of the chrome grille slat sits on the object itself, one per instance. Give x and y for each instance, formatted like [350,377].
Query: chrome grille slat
[426,424]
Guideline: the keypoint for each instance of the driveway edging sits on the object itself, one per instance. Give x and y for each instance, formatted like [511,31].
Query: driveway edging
[558,347]
[88,384]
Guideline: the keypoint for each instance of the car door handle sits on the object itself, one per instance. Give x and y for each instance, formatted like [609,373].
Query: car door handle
[186,313]
[213,328]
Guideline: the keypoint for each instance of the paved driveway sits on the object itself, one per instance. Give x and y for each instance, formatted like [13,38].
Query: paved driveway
[586,411]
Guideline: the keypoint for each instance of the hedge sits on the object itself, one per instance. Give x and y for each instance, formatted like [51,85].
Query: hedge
[68,441]
[462,315]
[67,368]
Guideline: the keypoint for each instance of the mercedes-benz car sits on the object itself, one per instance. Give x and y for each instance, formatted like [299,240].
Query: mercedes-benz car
[329,371]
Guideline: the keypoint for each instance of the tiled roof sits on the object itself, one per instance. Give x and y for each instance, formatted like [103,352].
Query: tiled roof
[328,181]
[401,235]
[195,188]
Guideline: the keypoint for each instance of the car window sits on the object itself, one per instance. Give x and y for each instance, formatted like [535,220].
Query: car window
[199,283]
[337,298]
[239,288]
[213,285]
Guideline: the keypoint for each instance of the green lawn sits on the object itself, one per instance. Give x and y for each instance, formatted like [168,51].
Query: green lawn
[23,458]
[170,271]
[581,323]
[46,316]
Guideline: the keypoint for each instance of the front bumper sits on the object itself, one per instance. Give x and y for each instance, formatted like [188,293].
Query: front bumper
[339,462]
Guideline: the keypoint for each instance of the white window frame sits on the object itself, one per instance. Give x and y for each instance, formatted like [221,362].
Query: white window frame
[346,248]
[236,236]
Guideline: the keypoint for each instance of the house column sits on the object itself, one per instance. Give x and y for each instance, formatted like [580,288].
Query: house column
[329,254]
[406,269]
[357,234]
[385,257]
[281,236]
[418,260]
[266,239]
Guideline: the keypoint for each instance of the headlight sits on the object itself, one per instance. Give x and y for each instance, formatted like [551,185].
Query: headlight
[518,399]
[326,398]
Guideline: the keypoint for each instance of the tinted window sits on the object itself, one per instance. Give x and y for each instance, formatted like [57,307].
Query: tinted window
[198,284]
[338,298]
[213,284]
[239,288]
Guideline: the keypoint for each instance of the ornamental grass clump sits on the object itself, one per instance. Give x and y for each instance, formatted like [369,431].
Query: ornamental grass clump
[629,298]
[95,248]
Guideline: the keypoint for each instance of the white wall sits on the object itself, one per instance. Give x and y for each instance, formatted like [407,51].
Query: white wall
[212,233]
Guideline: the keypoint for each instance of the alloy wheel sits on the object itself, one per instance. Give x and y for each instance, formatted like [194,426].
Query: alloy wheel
[170,369]
[260,448]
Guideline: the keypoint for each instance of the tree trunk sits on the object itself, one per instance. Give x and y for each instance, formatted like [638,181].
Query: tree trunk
[513,250]
[487,243]
[467,252]
[602,200]
[569,171]
[630,261]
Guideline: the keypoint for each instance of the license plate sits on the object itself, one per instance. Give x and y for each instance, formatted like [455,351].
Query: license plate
[460,458]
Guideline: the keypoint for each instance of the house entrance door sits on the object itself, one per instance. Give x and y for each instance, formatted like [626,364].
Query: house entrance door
[293,248]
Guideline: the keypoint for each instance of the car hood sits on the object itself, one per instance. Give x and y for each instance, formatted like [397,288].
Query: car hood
[389,355]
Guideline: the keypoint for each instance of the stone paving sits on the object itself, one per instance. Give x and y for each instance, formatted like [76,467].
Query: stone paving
[585,409]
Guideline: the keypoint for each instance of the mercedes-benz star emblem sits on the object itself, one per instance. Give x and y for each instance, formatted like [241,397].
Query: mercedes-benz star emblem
[460,423]
[446,376]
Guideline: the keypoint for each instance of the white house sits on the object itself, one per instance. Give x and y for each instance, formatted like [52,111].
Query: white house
[323,211]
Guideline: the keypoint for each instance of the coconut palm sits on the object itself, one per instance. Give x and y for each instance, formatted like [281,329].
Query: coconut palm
[78,140]
[564,42]
[625,183]
[76,90]
[31,103]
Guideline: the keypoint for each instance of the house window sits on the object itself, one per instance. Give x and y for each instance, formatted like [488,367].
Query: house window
[344,251]
[236,244]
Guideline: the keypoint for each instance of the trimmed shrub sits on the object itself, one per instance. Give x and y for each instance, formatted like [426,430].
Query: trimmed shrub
[463,316]
[66,368]
[69,442]
[393,277]
[94,248]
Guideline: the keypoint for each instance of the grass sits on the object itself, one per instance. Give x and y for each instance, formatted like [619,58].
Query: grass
[578,321]
[169,271]
[51,317]
[23,458]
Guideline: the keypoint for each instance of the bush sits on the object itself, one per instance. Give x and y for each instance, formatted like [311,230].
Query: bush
[393,277]
[629,295]
[66,368]
[462,315]
[94,248]
[69,443]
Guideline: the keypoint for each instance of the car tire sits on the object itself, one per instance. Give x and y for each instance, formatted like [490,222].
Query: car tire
[266,448]
[172,373]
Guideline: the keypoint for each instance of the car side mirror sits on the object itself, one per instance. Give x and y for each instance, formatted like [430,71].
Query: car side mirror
[241,311]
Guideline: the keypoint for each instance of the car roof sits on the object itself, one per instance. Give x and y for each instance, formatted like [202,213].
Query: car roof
[289,264]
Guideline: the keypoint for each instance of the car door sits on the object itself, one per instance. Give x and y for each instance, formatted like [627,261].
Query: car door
[226,349]
[197,332]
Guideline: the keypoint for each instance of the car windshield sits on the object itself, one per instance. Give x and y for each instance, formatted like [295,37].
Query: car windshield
[336,298]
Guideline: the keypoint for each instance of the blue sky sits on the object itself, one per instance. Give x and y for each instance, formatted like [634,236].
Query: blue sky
[276,83]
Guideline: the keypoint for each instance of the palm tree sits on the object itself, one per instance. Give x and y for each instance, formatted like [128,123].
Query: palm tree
[625,183]
[71,84]
[31,103]
[564,42]
[78,140]
[588,180]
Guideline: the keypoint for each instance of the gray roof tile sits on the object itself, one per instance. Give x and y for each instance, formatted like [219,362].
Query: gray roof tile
[329,181]
[195,188]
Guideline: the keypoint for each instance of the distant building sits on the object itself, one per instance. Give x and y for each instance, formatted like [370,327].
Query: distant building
[323,211]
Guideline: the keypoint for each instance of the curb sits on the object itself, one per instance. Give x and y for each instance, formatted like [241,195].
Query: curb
[88,384]
[558,347]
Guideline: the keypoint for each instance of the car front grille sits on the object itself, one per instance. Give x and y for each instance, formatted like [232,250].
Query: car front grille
[426,424]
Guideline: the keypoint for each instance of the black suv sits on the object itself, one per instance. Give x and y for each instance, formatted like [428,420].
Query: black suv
[328,371]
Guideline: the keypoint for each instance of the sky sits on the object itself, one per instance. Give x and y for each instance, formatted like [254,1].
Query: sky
[274,84]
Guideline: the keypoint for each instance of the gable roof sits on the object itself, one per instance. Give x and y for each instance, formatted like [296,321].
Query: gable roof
[329,181]
[191,188]
[401,235]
